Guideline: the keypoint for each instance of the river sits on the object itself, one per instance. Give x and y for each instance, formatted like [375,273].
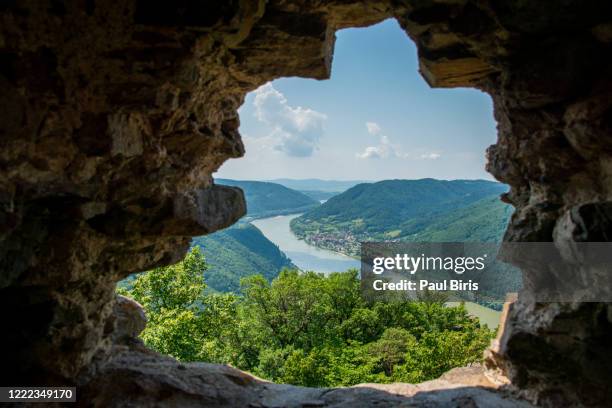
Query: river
[303,255]
[310,258]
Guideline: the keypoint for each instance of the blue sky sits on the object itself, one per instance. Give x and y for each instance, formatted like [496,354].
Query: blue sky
[375,119]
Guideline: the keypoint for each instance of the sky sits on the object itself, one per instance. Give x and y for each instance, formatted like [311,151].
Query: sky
[375,119]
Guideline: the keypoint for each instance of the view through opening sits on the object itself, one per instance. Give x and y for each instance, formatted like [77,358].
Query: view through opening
[373,154]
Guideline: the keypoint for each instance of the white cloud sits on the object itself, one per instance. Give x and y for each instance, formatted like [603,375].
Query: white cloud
[372,152]
[430,156]
[382,151]
[296,130]
[373,128]
[385,149]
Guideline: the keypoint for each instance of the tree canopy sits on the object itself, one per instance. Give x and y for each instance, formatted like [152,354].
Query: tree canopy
[303,328]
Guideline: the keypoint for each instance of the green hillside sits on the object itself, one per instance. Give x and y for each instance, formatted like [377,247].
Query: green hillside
[268,199]
[239,251]
[411,210]
[483,221]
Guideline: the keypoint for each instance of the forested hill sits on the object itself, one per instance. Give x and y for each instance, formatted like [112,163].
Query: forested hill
[237,252]
[483,221]
[392,202]
[266,199]
[425,210]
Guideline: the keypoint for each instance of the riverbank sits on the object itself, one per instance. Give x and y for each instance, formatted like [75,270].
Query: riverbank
[310,258]
[302,254]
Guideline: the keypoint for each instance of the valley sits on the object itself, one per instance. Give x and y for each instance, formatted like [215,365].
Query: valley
[285,228]
[308,257]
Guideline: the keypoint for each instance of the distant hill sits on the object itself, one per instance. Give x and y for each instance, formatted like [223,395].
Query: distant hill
[411,210]
[334,186]
[320,195]
[239,251]
[266,199]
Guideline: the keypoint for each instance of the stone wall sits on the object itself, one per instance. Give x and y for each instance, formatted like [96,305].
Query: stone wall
[115,114]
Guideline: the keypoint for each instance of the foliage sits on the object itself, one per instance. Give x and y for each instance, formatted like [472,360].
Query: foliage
[182,321]
[483,221]
[304,328]
[268,199]
[239,251]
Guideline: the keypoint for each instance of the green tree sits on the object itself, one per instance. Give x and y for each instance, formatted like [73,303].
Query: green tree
[304,328]
[309,369]
[390,350]
[182,321]
[179,286]
[293,309]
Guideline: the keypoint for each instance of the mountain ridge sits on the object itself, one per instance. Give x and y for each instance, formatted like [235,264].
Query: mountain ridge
[401,209]
[315,184]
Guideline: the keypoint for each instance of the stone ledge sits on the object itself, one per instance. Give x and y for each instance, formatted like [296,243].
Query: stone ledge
[143,378]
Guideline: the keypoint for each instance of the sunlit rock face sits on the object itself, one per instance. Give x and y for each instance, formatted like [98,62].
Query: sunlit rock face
[115,114]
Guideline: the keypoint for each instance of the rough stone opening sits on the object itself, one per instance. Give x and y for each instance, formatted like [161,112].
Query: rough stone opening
[114,117]
[279,107]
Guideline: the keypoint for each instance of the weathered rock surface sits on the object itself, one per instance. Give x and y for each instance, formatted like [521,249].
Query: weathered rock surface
[140,379]
[114,116]
[130,321]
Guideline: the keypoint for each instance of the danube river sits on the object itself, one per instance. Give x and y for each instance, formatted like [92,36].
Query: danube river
[305,256]
[311,258]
